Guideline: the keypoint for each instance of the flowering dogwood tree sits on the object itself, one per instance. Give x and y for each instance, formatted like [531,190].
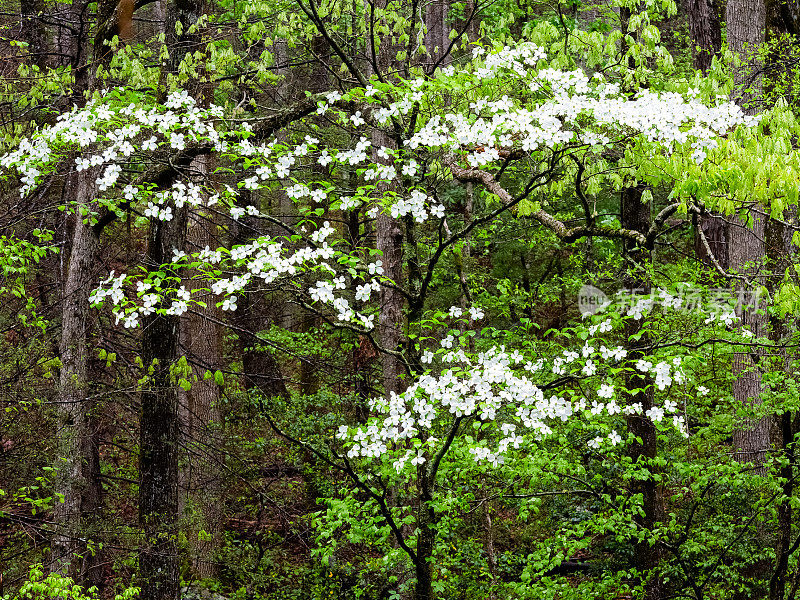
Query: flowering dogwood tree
[508,121]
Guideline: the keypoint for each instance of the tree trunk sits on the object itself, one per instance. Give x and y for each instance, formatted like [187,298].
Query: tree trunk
[33,31]
[746,21]
[636,215]
[705,31]
[160,426]
[437,38]
[201,341]
[746,255]
[715,230]
[76,463]
[389,233]
[78,467]
[745,25]
[159,430]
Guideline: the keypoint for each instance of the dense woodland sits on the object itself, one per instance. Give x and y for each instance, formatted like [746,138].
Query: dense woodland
[399,299]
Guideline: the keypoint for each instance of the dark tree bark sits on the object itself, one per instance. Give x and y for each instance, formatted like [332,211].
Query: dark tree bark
[159,425]
[783,16]
[33,31]
[77,458]
[183,16]
[159,430]
[636,215]
[77,467]
[705,30]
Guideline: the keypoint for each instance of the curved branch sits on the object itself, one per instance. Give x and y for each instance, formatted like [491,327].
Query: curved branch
[544,218]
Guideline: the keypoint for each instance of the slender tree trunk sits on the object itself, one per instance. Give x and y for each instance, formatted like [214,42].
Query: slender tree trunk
[201,340]
[636,215]
[76,480]
[159,430]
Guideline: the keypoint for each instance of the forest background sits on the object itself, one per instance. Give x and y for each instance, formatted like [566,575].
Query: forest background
[399,299]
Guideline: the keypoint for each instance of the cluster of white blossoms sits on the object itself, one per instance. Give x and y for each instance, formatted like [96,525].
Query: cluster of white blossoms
[117,134]
[416,205]
[549,108]
[265,259]
[569,106]
[495,387]
[562,106]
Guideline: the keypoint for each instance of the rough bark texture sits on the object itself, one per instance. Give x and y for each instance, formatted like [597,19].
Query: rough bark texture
[745,24]
[746,21]
[746,255]
[437,38]
[705,31]
[715,230]
[77,463]
[160,425]
[751,438]
[159,430]
[636,215]
[201,342]
[389,234]
[364,353]
[426,540]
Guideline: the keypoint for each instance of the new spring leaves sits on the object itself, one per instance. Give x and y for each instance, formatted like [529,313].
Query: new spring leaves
[511,103]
